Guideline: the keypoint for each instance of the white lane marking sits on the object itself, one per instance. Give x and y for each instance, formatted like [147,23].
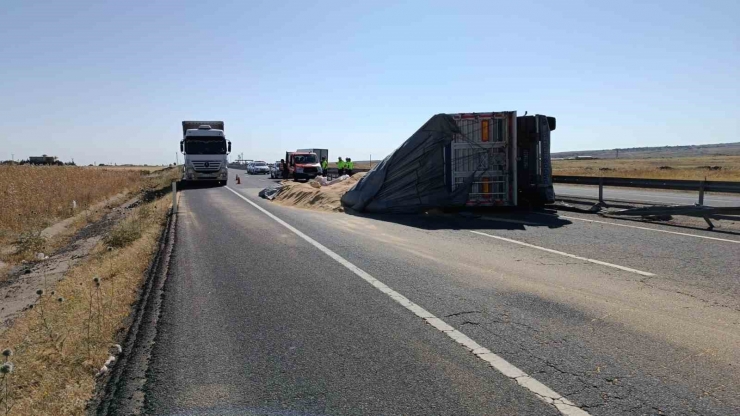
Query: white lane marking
[573,256]
[544,393]
[651,229]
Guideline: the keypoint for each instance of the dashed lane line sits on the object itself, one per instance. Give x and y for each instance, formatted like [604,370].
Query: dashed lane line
[573,256]
[544,393]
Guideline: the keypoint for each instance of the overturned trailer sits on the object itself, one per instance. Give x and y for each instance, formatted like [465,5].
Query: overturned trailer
[465,159]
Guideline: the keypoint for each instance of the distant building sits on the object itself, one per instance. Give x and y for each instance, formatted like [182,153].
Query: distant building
[44,160]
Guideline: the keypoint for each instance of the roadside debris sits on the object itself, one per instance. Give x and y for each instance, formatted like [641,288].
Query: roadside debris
[271,192]
[322,181]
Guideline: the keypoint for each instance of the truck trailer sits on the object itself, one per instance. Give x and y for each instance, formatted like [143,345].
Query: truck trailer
[508,156]
[205,148]
[492,159]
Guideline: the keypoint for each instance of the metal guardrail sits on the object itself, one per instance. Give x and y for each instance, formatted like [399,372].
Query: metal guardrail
[681,185]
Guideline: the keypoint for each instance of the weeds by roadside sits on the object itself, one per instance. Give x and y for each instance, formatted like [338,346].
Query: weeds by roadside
[63,341]
[6,371]
[29,242]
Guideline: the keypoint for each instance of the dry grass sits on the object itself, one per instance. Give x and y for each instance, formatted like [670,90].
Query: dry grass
[691,168]
[147,169]
[36,196]
[59,346]
[35,204]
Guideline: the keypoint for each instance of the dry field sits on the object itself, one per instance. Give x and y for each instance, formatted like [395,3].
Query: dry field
[718,168]
[36,196]
[147,169]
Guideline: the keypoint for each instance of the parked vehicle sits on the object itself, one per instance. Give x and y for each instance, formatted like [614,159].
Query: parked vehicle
[258,168]
[205,148]
[276,171]
[302,165]
[319,154]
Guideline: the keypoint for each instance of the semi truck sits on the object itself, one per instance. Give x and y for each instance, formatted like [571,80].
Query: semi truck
[205,148]
[508,156]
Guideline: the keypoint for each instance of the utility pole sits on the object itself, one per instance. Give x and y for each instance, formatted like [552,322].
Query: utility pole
[177,159]
[617,153]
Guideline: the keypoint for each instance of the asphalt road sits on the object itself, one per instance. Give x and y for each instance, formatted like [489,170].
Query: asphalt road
[618,320]
[648,195]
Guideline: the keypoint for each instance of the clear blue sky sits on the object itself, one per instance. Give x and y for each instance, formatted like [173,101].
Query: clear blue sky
[110,81]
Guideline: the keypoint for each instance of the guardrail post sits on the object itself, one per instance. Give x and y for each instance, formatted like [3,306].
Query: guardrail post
[601,189]
[701,193]
[174,197]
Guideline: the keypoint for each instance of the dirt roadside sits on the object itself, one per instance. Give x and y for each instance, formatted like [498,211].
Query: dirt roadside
[18,288]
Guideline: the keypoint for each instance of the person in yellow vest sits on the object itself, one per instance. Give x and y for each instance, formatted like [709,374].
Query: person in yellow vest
[324,166]
[340,166]
[349,165]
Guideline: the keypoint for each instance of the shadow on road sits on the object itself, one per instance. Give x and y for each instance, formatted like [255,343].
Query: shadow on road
[182,185]
[478,219]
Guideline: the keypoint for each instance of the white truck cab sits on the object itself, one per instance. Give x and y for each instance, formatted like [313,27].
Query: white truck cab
[205,148]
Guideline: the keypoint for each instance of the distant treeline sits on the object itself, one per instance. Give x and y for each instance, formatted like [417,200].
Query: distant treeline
[28,162]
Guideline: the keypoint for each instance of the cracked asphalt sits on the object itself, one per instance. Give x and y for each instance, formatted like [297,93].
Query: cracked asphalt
[257,321]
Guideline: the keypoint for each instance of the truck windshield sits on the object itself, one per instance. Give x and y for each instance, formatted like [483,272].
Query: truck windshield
[203,146]
[304,159]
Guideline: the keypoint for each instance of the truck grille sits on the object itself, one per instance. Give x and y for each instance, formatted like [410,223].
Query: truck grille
[310,170]
[206,166]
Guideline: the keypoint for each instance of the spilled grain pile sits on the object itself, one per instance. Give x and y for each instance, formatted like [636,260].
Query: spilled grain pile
[325,198]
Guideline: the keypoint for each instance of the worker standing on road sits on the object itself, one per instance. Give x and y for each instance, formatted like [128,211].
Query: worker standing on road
[349,165]
[340,166]
[324,166]
[284,168]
